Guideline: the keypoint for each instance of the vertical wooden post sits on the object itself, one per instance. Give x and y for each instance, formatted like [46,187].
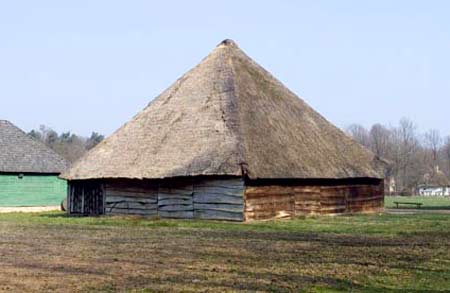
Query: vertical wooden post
[82,200]
[103,198]
[70,199]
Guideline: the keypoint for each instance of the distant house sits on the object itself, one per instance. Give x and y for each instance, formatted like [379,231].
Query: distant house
[435,183]
[434,190]
[28,170]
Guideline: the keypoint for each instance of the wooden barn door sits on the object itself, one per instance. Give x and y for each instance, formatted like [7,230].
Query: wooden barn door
[86,198]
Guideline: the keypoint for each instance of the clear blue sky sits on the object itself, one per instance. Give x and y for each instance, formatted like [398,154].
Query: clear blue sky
[92,65]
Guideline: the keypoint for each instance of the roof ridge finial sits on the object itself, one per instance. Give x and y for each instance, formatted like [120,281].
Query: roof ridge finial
[228,42]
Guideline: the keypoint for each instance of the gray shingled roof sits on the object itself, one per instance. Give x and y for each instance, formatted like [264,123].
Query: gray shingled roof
[21,153]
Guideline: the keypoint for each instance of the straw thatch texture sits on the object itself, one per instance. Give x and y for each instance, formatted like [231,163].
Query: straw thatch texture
[227,116]
[20,153]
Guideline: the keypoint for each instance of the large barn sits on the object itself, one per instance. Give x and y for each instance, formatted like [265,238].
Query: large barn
[28,170]
[226,141]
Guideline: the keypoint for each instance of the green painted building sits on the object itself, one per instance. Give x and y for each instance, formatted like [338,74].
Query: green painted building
[29,170]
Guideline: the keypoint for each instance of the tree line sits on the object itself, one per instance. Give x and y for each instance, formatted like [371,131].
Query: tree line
[413,157]
[68,145]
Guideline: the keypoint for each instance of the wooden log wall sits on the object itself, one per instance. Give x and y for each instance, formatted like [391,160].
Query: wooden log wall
[278,201]
[139,198]
[222,199]
[177,198]
[219,199]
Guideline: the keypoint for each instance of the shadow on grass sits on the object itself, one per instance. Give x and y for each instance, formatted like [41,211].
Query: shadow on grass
[55,215]
[431,208]
[64,215]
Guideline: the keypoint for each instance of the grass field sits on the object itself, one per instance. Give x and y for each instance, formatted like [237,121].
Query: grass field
[431,203]
[367,253]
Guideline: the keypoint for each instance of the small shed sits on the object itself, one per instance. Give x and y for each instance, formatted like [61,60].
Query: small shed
[28,170]
[226,141]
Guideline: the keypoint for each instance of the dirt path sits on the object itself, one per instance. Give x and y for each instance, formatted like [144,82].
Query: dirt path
[28,209]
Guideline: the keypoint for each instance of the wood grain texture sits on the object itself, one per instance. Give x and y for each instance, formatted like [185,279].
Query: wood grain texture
[225,199]
[220,199]
[277,201]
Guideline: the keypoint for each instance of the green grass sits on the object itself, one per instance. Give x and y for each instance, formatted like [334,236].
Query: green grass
[382,224]
[432,202]
[361,253]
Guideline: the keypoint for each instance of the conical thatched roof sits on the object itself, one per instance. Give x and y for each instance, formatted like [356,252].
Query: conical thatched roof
[227,116]
[20,153]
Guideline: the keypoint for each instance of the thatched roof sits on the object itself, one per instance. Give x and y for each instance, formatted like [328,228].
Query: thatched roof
[227,116]
[20,153]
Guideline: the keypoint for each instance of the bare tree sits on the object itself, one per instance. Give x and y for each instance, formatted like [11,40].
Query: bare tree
[433,142]
[411,157]
[446,155]
[380,141]
[406,147]
[359,133]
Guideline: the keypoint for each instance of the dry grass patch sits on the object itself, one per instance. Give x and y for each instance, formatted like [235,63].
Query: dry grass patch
[51,252]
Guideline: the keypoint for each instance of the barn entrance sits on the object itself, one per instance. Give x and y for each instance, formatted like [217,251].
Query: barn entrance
[86,198]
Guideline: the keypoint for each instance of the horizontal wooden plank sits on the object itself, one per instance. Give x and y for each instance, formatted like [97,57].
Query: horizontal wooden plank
[331,187]
[219,207]
[273,206]
[176,214]
[131,205]
[307,189]
[306,211]
[217,198]
[333,208]
[130,198]
[178,191]
[270,198]
[175,201]
[259,192]
[306,196]
[219,215]
[307,208]
[335,202]
[145,212]
[308,202]
[131,194]
[176,207]
[261,215]
[215,190]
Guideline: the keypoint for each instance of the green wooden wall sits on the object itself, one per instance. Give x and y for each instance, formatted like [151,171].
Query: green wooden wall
[31,190]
